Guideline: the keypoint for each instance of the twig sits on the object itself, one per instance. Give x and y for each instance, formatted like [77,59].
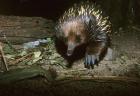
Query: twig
[3,58]
[21,59]
[136,28]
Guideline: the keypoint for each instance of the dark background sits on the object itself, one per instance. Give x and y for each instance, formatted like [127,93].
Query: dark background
[51,9]
[121,12]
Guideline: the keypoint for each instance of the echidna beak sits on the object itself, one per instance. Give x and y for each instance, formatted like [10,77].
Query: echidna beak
[70,49]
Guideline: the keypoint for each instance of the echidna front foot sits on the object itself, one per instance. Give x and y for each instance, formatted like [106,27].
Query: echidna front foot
[91,61]
[94,52]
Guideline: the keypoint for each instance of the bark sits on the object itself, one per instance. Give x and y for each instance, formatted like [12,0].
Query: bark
[23,29]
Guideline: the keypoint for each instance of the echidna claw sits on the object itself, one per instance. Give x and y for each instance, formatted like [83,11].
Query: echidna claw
[91,60]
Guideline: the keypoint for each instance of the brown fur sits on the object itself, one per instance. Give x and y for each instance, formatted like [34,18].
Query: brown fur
[73,29]
[83,34]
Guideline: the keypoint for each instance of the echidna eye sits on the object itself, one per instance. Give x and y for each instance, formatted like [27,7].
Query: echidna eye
[65,39]
[78,39]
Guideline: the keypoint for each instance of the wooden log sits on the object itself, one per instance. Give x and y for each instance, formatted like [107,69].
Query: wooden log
[23,29]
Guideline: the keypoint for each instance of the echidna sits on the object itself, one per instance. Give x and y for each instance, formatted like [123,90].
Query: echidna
[84,23]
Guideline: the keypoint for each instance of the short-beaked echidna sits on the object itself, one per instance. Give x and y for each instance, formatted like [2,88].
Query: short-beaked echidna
[85,23]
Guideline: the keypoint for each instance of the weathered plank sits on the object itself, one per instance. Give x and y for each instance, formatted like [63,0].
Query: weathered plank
[18,29]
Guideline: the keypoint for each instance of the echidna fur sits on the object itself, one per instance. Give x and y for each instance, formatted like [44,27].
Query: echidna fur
[97,27]
[85,10]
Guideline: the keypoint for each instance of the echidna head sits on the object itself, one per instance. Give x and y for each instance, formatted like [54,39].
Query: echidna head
[73,34]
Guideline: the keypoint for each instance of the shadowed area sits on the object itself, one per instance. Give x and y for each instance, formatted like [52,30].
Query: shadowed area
[69,87]
[78,53]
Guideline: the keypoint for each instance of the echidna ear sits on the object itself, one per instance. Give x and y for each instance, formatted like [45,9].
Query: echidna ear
[58,32]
